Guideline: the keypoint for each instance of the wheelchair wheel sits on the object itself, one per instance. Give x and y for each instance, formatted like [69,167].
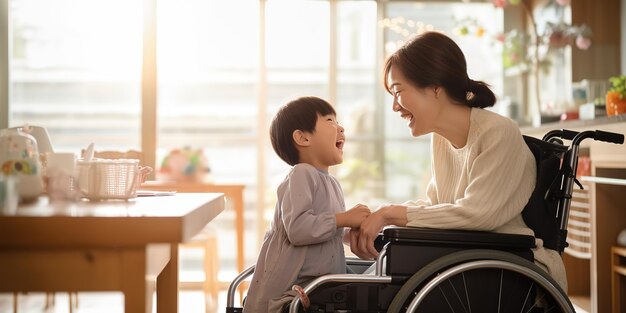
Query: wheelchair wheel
[481,281]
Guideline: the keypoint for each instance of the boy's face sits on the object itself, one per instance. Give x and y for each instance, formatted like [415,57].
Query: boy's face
[326,143]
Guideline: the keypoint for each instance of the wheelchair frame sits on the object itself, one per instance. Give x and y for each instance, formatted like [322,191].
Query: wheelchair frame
[482,250]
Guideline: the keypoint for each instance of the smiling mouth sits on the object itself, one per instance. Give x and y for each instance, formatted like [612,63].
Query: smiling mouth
[339,143]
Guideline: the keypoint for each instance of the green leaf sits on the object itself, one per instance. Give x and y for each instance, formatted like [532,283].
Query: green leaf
[618,84]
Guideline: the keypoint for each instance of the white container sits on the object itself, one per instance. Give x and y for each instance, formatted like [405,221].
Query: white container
[102,179]
[60,174]
[19,157]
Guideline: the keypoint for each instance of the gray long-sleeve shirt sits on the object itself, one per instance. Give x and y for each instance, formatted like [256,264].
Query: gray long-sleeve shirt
[303,241]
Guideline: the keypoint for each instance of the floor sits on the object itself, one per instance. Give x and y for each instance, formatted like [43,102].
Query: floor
[189,302]
[112,302]
[101,302]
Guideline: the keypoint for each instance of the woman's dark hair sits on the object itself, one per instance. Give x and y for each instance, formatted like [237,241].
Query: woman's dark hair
[433,59]
[299,114]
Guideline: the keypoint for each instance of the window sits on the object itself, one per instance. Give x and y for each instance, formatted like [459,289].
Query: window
[75,72]
[407,159]
[357,88]
[297,64]
[207,83]
[223,69]
[207,65]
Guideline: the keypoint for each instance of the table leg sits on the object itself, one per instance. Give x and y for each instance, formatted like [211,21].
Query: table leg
[238,204]
[167,284]
[133,281]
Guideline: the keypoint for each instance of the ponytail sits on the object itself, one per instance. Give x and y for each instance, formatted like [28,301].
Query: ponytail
[479,95]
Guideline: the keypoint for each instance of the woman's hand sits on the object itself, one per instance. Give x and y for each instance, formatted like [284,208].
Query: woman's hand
[371,227]
[369,230]
[353,236]
[353,217]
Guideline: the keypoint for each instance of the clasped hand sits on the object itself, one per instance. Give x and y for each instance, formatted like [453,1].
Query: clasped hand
[361,237]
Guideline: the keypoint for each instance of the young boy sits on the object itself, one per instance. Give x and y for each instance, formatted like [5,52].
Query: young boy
[305,238]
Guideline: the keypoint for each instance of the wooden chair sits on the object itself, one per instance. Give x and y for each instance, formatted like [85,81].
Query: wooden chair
[207,242]
[73,303]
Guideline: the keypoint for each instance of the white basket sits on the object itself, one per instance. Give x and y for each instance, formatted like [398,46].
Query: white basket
[102,179]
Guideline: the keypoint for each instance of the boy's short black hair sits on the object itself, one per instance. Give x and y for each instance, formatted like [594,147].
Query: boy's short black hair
[299,114]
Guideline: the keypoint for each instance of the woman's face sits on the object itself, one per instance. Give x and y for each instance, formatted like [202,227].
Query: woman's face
[419,106]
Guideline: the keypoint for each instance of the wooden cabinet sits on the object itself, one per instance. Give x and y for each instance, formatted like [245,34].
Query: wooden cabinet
[608,216]
[618,283]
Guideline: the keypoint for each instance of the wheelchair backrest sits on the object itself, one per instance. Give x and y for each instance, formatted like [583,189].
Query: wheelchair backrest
[544,210]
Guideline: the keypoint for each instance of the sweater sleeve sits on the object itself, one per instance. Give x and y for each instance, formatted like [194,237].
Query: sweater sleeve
[304,224]
[431,193]
[500,181]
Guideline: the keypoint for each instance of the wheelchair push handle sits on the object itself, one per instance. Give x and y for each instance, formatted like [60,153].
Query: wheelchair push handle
[609,137]
[558,134]
[598,135]
[577,137]
[568,134]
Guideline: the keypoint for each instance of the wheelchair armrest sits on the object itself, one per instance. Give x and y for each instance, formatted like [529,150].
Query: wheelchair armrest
[380,242]
[458,237]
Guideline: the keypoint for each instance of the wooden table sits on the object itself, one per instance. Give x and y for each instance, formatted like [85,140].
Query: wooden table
[123,246]
[232,192]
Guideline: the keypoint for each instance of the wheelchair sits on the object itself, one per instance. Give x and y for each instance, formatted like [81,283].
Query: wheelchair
[434,270]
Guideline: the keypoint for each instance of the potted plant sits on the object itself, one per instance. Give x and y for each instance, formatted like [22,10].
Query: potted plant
[616,96]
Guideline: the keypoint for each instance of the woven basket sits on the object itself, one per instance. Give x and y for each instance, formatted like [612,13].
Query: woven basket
[102,179]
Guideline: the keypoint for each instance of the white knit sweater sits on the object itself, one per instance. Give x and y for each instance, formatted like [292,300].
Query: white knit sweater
[483,185]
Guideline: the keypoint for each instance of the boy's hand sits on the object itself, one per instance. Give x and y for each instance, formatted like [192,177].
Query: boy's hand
[353,217]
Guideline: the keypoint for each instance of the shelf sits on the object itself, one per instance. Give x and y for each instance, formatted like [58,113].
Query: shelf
[618,254]
[604,180]
[618,278]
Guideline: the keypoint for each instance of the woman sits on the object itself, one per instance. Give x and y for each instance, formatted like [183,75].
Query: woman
[482,171]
